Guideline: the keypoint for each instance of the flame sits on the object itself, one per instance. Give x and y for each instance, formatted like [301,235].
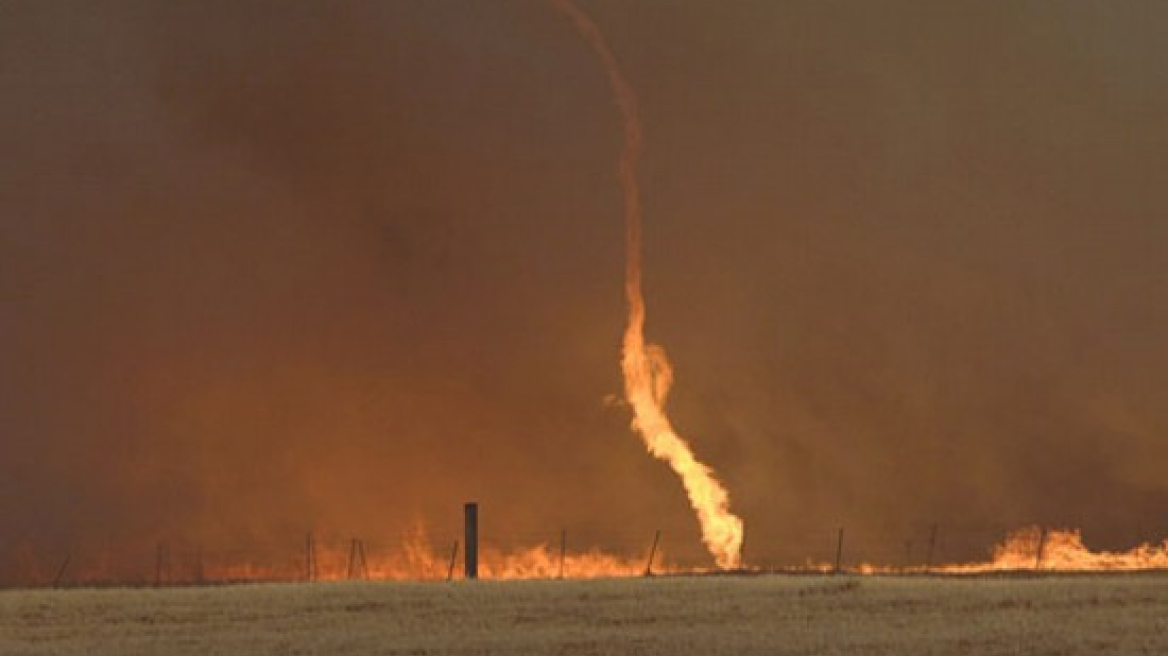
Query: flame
[1027,549]
[1062,550]
[542,562]
[646,368]
[414,558]
[417,558]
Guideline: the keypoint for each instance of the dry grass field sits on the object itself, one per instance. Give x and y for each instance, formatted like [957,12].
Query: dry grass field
[813,615]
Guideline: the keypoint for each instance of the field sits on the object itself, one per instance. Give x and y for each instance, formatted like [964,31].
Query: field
[813,615]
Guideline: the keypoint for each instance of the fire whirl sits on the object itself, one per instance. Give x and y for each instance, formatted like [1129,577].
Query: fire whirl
[646,369]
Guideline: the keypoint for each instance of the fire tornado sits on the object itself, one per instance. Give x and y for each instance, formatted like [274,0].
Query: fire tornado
[646,368]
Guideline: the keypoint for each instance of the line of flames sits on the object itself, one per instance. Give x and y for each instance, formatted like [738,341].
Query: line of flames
[416,563]
[1032,549]
[1026,549]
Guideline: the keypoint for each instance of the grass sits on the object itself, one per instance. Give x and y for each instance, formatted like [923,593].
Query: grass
[813,615]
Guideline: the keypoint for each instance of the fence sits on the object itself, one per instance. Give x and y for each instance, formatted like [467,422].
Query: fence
[556,553]
[313,557]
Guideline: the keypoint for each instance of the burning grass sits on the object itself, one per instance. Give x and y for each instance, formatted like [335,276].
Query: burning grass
[1026,550]
[1102,613]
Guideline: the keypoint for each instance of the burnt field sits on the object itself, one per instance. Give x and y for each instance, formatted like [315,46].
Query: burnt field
[770,614]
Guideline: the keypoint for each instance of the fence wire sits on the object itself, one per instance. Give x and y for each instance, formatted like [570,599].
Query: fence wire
[563,552]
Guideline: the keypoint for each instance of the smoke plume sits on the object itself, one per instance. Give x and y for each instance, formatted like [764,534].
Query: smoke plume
[270,267]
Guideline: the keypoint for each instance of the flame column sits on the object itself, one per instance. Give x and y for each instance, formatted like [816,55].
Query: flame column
[471,539]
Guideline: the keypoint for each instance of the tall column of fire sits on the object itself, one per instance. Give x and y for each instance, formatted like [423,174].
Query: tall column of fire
[646,369]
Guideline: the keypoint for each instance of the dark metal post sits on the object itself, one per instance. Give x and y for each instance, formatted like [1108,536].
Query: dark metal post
[742,550]
[563,549]
[358,567]
[932,546]
[652,553]
[62,569]
[471,538]
[162,565]
[839,550]
[1041,547]
[199,574]
[453,559]
[309,557]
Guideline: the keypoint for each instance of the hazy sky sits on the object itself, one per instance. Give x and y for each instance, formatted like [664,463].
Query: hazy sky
[274,266]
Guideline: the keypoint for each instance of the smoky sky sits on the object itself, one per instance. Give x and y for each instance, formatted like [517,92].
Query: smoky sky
[268,267]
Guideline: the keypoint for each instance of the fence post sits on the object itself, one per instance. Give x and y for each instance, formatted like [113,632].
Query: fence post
[839,550]
[364,561]
[932,546]
[453,559]
[563,549]
[61,570]
[471,538]
[652,553]
[742,550]
[358,566]
[162,565]
[1041,547]
[352,573]
[309,557]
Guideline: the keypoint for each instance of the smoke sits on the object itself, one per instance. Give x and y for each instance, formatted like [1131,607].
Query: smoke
[275,267]
[646,368]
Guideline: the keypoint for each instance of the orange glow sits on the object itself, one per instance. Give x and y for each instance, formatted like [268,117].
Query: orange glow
[646,369]
[1061,551]
[1030,549]
[1033,548]
[418,558]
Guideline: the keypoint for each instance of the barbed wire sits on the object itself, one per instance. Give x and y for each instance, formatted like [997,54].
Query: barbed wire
[417,555]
